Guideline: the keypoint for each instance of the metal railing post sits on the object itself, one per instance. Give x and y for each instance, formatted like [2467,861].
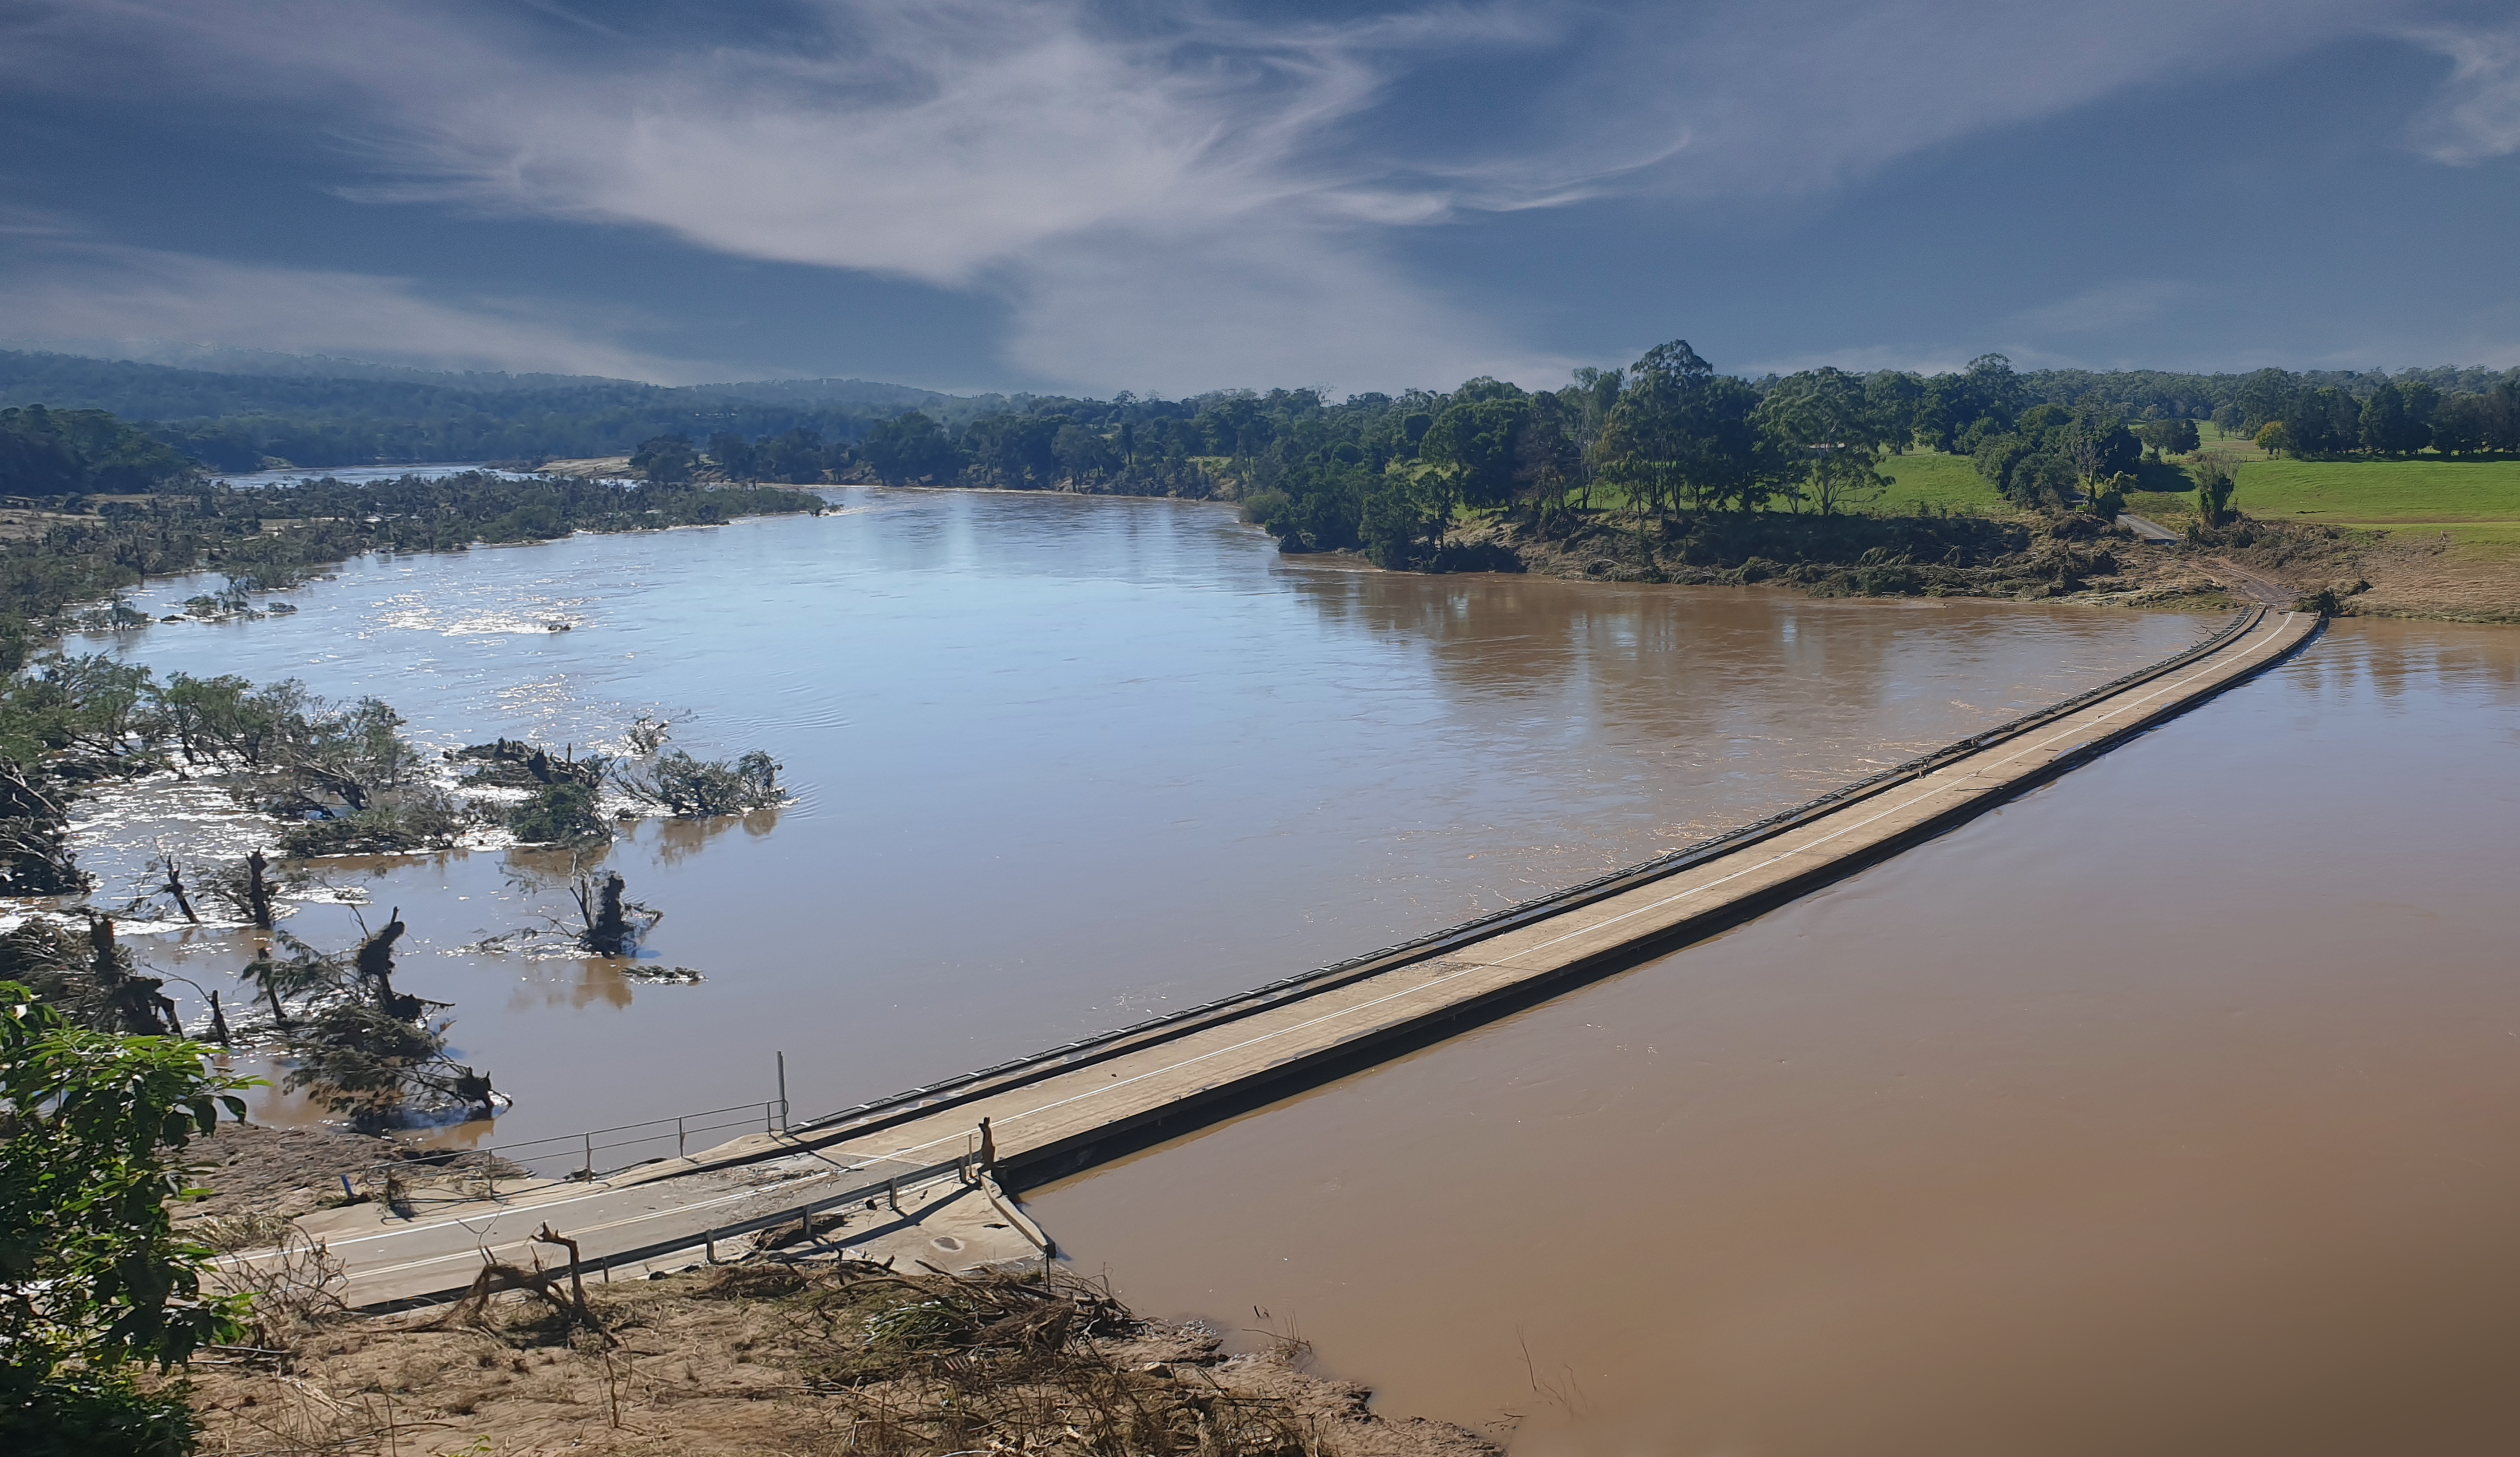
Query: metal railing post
[590,1155]
[678,1138]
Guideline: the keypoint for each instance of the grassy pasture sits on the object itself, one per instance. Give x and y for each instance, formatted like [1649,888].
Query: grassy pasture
[2476,501]
[1938,484]
[2165,508]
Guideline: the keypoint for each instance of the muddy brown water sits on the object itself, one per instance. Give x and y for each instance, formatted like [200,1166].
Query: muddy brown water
[1059,762]
[2168,1110]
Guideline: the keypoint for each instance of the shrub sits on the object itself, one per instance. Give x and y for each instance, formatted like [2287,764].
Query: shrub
[93,1413]
[420,822]
[93,1275]
[559,813]
[684,785]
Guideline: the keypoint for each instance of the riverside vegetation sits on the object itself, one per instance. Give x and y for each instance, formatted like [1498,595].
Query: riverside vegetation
[1840,483]
[107,508]
[332,779]
[1664,471]
[115,1337]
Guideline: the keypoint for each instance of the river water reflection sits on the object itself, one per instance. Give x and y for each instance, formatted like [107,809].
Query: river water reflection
[2169,1109]
[1062,763]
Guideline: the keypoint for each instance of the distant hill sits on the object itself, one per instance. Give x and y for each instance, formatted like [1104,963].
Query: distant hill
[234,408]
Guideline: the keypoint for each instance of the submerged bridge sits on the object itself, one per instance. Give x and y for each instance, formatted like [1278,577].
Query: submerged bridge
[898,1173]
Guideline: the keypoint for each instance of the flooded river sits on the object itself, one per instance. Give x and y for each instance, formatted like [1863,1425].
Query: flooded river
[1061,763]
[2166,1109]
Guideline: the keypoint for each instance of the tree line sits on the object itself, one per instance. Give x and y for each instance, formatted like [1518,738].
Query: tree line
[2397,418]
[336,413]
[231,422]
[1389,475]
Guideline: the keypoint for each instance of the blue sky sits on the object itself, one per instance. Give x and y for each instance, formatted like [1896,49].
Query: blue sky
[978,193]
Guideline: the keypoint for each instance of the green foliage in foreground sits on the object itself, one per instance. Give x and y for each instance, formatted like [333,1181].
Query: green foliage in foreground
[93,1277]
[85,1413]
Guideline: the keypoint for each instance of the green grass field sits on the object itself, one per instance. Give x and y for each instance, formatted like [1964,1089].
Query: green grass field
[2383,493]
[1924,483]
[2474,502]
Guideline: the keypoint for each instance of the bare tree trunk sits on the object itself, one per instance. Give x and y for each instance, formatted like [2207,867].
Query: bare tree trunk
[270,987]
[257,892]
[373,962]
[607,918]
[576,1283]
[175,887]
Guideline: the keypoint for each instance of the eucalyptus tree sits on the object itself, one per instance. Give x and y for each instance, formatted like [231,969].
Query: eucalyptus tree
[1681,435]
[1826,438]
[1474,443]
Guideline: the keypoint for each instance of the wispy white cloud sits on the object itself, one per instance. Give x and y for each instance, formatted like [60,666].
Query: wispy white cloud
[1183,198]
[2477,115]
[1750,98]
[112,293]
[1155,207]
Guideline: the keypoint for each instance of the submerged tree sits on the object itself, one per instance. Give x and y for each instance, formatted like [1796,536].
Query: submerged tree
[563,812]
[611,926]
[34,837]
[372,1067]
[244,888]
[682,785]
[348,754]
[369,1051]
[118,997]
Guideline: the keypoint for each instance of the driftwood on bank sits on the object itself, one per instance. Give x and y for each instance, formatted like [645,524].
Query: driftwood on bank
[498,1277]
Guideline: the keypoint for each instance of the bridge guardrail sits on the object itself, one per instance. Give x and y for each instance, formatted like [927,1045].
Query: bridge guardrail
[655,1135]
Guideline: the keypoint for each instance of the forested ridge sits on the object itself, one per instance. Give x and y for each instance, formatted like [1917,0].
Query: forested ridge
[233,422]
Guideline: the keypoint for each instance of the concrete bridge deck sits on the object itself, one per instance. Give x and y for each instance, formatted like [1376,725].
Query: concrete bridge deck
[1073,1107]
